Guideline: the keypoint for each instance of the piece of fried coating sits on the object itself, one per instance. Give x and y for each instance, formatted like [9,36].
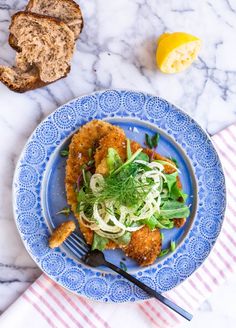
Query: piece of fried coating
[60,234]
[145,246]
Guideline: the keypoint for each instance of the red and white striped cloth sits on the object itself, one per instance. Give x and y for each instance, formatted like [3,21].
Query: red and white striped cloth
[45,304]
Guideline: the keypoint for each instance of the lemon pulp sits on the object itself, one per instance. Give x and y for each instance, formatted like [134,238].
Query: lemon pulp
[176,51]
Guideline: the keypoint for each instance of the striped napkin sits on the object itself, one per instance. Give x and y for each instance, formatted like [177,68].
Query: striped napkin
[45,304]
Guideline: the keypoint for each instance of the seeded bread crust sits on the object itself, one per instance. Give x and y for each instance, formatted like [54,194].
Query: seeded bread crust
[54,8]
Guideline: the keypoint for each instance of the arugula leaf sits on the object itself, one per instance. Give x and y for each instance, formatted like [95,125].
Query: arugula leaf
[151,222]
[99,242]
[113,159]
[172,209]
[80,195]
[170,180]
[177,193]
[143,157]
[164,223]
[125,239]
[64,152]
[155,140]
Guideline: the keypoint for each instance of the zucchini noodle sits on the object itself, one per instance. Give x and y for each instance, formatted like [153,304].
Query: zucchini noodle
[112,220]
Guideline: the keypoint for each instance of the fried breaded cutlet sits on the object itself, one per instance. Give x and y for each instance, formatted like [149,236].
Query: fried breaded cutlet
[145,245]
[87,138]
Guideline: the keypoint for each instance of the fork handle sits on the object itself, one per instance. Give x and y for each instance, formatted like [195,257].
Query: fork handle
[150,291]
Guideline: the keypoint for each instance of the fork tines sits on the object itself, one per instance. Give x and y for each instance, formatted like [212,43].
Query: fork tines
[77,245]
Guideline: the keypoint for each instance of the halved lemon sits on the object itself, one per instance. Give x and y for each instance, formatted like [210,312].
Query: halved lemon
[176,51]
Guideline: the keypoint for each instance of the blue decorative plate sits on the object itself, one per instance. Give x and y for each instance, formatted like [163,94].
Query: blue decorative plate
[39,193]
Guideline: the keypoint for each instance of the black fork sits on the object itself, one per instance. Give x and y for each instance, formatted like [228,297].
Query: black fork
[96,258]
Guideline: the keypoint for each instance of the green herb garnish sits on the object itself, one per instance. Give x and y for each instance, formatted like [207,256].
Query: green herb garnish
[170,180]
[164,252]
[123,188]
[130,160]
[151,222]
[113,159]
[64,152]
[172,209]
[168,250]
[123,266]
[120,185]
[66,211]
[148,140]
[99,242]
[143,157]
[152,142]
[177,194]
[155,140]
[172,246]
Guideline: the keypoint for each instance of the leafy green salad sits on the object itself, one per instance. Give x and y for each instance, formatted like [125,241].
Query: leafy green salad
[133,193]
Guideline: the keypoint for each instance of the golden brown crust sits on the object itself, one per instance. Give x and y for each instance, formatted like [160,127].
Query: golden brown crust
[60,234]
[179,222]
[87,137]
[33,83]
[29,81]
[13,42]
[43,17]
[145,246]
[75,9]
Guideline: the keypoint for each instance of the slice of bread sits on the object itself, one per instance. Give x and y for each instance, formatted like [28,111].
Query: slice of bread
[45,42]
[46,48]
[66,10]
[19,81]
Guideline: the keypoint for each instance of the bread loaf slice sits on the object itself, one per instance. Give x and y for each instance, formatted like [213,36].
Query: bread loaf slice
[19,81]
[66,10]
[46,48]
[45,42]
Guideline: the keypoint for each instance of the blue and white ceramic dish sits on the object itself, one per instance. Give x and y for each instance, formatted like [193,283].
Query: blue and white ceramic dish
[39,193]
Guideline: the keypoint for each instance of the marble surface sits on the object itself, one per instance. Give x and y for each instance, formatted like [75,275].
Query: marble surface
[117,50]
